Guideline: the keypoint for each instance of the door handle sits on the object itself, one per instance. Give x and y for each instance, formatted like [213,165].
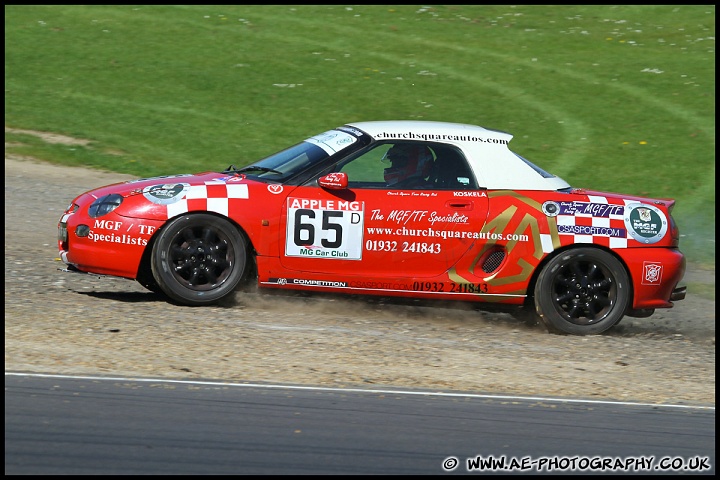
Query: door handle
[459,205]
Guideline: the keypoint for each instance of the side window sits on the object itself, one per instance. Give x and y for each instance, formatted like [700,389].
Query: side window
[402,165]
[451,171]
[367,169]
[408,166]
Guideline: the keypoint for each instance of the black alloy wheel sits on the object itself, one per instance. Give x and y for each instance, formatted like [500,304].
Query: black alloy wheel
[199,259]
[583,291]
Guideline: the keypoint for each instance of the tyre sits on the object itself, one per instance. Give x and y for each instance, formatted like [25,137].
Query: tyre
[583,291]
[148,281]
[199,259]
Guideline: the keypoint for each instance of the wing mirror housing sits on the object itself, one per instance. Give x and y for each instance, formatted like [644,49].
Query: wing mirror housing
[334,181]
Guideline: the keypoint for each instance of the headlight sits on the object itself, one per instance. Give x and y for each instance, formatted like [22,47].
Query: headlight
[104,205]
[72,208]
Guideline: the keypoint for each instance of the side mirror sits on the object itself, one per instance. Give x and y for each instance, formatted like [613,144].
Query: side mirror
[334,181]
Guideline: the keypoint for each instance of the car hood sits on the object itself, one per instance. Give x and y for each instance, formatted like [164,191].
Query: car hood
[161,198]
[132,187]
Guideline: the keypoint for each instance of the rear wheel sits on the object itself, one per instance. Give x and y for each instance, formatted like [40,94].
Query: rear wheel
[583,291]
[199,259]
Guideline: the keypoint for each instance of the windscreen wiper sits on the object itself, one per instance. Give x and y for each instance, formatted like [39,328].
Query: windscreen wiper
[251,168]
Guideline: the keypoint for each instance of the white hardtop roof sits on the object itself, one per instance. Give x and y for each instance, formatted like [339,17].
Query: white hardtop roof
[487,152]
[408,129]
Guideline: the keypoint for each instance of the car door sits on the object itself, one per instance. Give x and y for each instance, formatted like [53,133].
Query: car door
[376,230]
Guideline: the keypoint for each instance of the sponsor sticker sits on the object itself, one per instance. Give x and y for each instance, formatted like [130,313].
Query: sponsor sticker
[166,193]
[469,194]
[551,209]
[652,273]
[232,178]
[588,209]
[334,179]
[645,223]
[332,141]
[591,230]
[309,283]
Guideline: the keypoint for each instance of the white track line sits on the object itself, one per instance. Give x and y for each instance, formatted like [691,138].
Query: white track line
[359,390]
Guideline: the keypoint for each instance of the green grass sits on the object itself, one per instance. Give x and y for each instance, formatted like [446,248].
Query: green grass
[618,98]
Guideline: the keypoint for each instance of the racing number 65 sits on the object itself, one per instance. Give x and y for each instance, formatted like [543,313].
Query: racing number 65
[310,228]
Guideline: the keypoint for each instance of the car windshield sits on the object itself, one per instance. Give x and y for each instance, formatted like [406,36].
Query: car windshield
[285,164]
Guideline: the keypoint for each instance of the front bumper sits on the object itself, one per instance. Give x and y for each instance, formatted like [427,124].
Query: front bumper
[112,245]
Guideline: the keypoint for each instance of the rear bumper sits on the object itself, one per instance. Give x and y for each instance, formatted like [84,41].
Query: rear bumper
[656,274]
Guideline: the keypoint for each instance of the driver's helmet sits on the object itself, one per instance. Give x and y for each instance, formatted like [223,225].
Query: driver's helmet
[407,161]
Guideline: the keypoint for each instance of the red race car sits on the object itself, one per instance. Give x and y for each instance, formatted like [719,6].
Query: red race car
[427,210]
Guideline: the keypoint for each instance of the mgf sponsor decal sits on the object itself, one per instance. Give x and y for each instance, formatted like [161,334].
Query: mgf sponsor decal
[582,209]
[645,223]
[590,209]
[403,217]
[450,218]
[166,193]
[120,232]
[112,238]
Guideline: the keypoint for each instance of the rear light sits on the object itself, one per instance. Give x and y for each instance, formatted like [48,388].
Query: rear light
[674,230]
[62,232]
[62,237]
[72,208]
[62,226]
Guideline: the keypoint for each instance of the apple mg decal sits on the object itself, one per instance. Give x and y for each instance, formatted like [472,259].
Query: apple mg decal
[324,229]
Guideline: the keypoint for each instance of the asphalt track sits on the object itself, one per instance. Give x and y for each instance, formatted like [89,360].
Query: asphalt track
[94,425]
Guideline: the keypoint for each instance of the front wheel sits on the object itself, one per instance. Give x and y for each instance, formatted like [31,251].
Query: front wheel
[583,291]
[199,259]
